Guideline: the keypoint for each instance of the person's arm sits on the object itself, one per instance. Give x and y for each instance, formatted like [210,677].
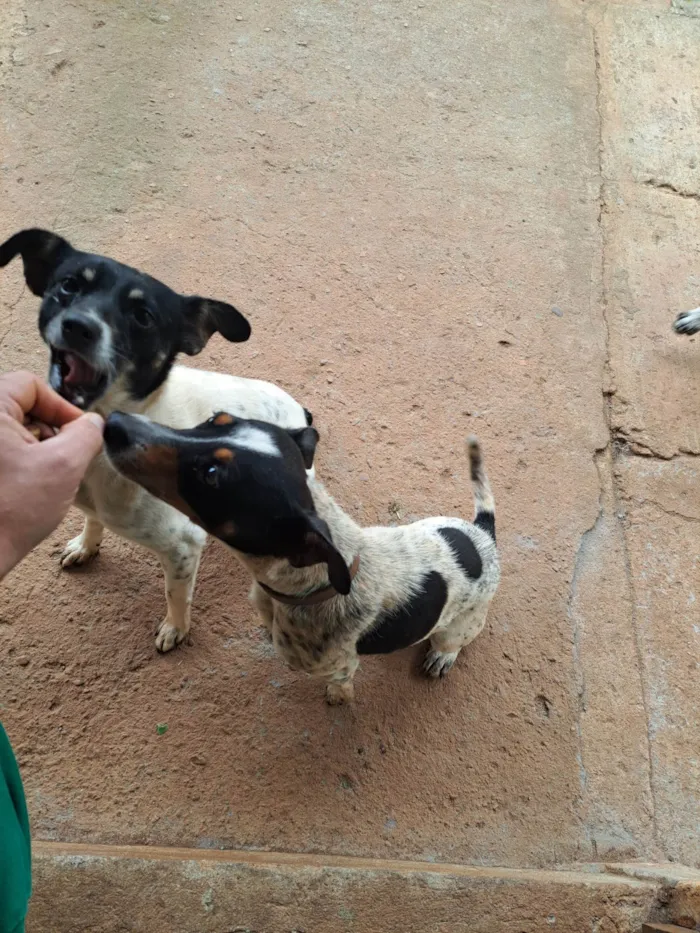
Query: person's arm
[38,477]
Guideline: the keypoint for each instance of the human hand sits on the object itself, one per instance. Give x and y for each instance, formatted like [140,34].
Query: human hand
[40,470]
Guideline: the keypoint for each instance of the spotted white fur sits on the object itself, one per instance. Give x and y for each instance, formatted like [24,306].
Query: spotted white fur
[393,562]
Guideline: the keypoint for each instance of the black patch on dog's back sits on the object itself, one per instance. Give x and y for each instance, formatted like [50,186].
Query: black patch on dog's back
[309,417]
[409,622]
[464,550]
[487,522]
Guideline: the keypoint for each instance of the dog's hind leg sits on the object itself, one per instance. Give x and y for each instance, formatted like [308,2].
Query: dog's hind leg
[83,548]
[445,644]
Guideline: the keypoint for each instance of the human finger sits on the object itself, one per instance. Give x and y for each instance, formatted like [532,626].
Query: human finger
[76,444]
[38,429]
[11,427]
[23,393]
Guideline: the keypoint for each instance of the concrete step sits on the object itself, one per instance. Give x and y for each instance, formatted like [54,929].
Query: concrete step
[111,889]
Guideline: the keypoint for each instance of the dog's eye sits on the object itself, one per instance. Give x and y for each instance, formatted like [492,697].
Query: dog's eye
[69,287]
[142,315]
[211,475]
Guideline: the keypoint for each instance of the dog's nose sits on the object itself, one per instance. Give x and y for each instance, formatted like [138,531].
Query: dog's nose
[79,330]
[116,434]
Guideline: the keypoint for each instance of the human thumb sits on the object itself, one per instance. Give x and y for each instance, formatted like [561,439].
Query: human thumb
[77,442]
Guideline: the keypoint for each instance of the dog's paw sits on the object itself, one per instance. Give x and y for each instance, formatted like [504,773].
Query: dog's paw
[76,552]
[337,694]
[688,322]
[168,636]
[438,663]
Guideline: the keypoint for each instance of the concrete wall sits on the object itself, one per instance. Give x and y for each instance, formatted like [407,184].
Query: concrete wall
[440,218]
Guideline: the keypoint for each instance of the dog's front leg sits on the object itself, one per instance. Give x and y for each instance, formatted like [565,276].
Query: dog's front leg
[339,686]
[180,564]
[262,602]
[83,548]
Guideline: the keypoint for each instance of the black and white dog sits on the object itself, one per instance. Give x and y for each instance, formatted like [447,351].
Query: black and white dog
[114,333]
[328,590]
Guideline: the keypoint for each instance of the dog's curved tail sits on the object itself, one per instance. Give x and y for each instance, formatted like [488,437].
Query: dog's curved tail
[484,506]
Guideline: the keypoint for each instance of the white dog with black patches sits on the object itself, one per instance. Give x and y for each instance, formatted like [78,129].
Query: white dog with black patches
[114,333]
[328,590]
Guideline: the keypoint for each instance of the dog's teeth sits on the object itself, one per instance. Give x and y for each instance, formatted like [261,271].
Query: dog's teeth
[79,400]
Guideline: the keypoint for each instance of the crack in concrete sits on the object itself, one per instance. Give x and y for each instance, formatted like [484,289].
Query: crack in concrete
[672,512]
[602,210]
[586,544]
[617,440]
[17,31]
[623,445]
[671,189]
[685,8]
[619,512]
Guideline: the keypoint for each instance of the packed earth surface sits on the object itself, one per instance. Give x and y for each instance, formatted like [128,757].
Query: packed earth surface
[441,218]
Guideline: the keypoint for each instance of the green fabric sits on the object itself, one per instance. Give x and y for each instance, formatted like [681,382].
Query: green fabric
[15,848]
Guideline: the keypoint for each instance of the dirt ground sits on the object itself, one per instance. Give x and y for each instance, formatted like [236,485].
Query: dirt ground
[440,218]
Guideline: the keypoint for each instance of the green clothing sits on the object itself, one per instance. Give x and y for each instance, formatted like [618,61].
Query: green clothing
[15,850]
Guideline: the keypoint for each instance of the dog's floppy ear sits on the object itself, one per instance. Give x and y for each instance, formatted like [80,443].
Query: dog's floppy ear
[306,440]
[316,547]
[41,252]
[204,316]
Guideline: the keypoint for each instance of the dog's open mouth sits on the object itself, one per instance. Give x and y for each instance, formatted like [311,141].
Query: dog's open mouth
[75,379]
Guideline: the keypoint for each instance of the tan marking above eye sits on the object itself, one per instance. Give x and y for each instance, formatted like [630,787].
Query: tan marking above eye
[223,419]
[88,274]
[223,454]
[135,293]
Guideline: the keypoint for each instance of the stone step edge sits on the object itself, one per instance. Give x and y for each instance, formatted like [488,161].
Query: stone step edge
[593,874]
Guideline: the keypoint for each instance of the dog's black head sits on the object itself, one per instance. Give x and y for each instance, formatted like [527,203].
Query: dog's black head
[105,321]
[243,481]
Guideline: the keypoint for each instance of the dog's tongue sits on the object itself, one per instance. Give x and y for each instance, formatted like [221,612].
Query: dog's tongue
[79,373]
